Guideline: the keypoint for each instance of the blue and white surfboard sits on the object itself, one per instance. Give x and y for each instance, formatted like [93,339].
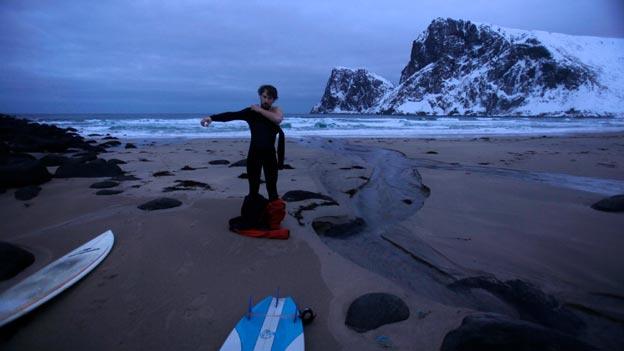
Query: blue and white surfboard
[273,324]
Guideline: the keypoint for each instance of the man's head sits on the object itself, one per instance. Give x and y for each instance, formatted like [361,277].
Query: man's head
[268,95]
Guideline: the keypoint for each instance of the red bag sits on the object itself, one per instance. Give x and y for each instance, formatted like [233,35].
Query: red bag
[275,213]
[258,223]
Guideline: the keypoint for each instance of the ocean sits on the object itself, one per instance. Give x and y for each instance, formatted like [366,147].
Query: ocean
[186,125]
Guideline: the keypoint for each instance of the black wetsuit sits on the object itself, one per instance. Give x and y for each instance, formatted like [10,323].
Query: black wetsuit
[261,149]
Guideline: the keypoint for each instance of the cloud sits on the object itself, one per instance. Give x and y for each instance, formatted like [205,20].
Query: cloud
[117,56]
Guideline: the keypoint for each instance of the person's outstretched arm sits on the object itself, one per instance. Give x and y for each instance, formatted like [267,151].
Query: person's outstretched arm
[226,117]
[275,115]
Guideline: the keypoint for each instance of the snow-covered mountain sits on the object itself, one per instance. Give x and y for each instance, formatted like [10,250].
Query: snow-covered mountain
[465,68]
[353,91]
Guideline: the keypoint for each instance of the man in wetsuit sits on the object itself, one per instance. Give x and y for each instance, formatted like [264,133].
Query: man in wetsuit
[263,121]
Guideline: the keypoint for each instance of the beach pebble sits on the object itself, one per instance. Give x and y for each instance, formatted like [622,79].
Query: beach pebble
[338,226]
[219,162]
[27,193]
[489,331]
[610,204]
[13,260]
[373,310]
[160,204]
[300,195]
[93,169]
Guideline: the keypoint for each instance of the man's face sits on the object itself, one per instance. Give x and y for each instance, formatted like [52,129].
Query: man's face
[266,101]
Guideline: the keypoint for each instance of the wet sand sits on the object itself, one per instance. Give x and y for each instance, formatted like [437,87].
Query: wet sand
[177,278]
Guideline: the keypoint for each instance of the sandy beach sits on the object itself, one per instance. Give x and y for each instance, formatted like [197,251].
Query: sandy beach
[438,212]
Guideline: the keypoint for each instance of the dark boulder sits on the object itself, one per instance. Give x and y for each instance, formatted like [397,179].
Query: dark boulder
[110,143]
[187,168]
[610,204]
[91,169]
[241,163]
[300,195]
[83,157]
[373,310]
[18,170]
[338,226]
[109,192]
[27,193]
[52,160]
[160,204]
[104,185]
[13,260]
[490,332]
[187,185]
[246,176]
[162,174]
[219,162]
[130,146]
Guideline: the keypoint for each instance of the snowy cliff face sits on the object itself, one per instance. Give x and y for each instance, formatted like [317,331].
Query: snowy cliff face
[352,91]
[459,67]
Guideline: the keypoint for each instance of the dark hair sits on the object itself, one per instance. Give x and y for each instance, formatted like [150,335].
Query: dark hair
[270,90]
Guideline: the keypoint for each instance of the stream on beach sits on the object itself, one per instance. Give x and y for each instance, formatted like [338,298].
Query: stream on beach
[389,247]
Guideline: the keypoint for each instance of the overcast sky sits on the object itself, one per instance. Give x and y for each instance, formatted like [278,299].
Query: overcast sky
[210,56]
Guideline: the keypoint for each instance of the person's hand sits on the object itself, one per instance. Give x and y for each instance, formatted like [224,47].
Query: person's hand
[205,122]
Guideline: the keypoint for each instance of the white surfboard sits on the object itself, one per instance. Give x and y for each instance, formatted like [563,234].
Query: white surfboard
[53,278]
[273,324]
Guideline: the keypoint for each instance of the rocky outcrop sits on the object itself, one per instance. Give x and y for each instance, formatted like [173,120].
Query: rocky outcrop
[21,135]
[498,332]
[352,91]
[531,303]
[20,169]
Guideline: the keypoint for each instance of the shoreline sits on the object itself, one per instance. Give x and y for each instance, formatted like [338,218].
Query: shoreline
[158,280]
